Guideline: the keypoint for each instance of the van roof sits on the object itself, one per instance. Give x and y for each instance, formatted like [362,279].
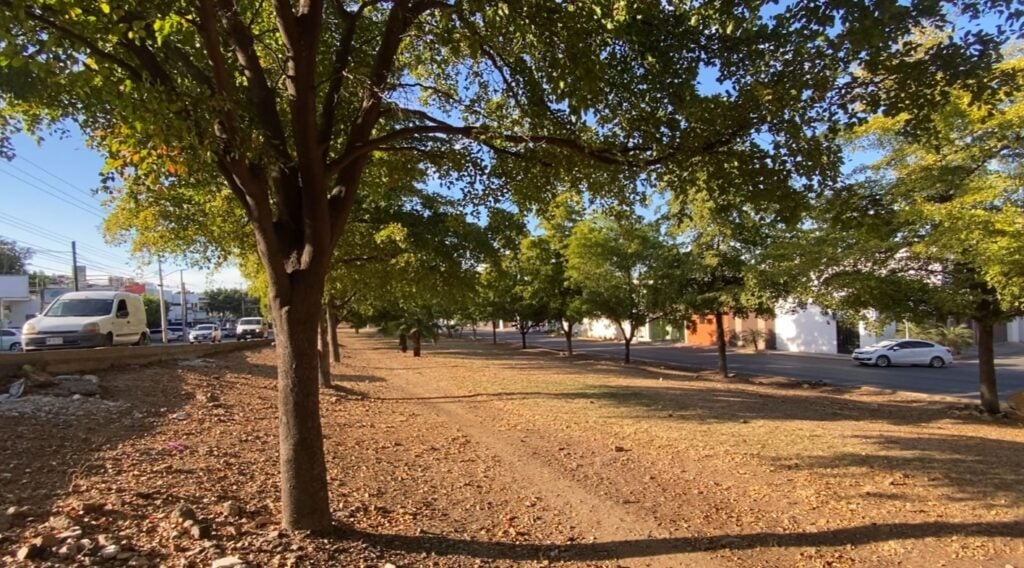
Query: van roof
[95,295]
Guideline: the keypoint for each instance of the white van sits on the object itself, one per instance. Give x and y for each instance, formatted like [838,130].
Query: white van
[88,319]
[250,328]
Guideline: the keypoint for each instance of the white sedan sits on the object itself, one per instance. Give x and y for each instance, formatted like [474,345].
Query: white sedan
[203,333]
[905,352]
[10,340]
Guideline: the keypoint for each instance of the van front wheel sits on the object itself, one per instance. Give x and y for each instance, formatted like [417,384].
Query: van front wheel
[143,339]
[108,340]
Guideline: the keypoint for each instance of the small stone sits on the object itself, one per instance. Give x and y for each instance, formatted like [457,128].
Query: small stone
[110,552]
[619,449]
[61,522]
[389,565]
[263,521]
[46,541]
[201,531]
[231,509]
[107,540]
[138,561]
[86,546]
[69,550]
[227,562]
[183,513]
[92,507]
[17,512]
[125,555]
[73,532]
[181,416]
[29,552]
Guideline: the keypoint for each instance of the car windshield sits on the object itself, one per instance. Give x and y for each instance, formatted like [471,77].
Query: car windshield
[882,345]
[79,307]
[204,328]
[250,321]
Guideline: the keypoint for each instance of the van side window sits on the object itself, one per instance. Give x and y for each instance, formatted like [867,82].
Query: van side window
[122,306]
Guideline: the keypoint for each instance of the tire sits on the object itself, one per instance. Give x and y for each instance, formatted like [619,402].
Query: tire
[15,347]
[937,363]
[108,340]
[143,340]
[882,361]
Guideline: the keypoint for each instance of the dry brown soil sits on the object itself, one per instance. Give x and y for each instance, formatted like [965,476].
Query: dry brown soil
[481,455]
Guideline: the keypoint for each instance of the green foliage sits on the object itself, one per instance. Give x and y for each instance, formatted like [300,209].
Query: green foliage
[625,270]
[228,302]
[956,337]
[13,258]
[152,306]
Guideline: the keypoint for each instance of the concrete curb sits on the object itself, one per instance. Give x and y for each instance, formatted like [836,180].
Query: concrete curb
[83,360]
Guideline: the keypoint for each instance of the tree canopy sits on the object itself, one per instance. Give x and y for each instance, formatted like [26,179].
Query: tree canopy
[13,258]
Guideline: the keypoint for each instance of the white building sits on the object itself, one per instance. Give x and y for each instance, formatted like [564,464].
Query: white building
[16,304]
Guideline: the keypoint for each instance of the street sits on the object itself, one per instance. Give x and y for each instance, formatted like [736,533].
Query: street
[959,380]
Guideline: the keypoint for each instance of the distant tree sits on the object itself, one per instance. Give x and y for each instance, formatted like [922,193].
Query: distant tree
[505,288]
[625,270]
[228,301]
[13,258]
[152,305]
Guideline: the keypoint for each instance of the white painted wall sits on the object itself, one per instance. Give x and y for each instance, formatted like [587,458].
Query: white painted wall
[604,328]
[807,331]
[868,338]
[1015,330]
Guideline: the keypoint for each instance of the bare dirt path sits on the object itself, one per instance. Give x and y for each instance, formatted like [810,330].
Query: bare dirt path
[475,455]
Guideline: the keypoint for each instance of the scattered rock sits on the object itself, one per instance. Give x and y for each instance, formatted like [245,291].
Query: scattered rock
[92,507]
[29,552]
[619,449]
[138,561]
[61,522]
[1016,401]
[110,552]
[227,562]
[16,512]
[200,531]
[181,416]
[46,541]
[196,363]
[231,509]
[16,389]
[263,521]
[69,550]
[107,540]
[183,513]
[389,565]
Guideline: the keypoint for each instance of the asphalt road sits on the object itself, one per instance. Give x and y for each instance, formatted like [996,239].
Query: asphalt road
[960,379]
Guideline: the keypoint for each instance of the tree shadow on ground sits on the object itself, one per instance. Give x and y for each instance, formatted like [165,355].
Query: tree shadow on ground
[642,548]
[49,442]
[974,468]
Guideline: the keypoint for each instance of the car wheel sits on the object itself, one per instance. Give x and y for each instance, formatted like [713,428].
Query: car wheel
[108,340]
[15,347]
[937,362]
[882,361]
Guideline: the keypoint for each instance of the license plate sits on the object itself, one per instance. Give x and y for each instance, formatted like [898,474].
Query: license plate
[54,340]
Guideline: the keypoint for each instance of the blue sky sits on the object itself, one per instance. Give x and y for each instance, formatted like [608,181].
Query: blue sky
[46,202]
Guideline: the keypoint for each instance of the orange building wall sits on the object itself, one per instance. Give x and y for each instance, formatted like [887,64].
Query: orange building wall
[701,330]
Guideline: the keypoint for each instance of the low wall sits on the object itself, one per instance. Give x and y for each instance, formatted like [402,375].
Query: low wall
[86,360]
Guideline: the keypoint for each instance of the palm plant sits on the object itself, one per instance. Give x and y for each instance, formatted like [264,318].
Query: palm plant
[956,337]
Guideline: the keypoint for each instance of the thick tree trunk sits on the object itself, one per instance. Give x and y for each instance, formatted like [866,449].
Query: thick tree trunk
[332,330]
[987,368]
[403,342]
[324,357]
[522,334]
[494,332]
[568,341]
[473,327]
[416,342]
[723,365]
[304,497]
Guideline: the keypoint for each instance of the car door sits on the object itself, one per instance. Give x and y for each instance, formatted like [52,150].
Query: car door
[923,352]
[122,328]
[901,353]
[6,339]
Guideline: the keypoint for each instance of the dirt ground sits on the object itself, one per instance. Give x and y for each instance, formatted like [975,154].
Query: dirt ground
[481,455]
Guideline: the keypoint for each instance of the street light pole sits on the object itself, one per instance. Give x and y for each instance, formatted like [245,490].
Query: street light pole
[163,308]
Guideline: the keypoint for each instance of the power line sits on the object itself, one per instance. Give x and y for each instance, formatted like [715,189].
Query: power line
[52,194]
[87,203]
[56,237]
[53,175]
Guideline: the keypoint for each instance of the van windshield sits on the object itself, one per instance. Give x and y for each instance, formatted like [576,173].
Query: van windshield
[79,308]
[250,321]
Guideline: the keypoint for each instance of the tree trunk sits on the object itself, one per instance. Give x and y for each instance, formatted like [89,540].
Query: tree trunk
[415,342]
[494,332]
[522,334]
[304,497]
[473,327]
[723,365]
[568,342]
[403,342]
[987,368]
[332,330]
[324,357]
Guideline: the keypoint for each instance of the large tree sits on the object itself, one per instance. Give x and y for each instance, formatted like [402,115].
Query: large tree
[283,107]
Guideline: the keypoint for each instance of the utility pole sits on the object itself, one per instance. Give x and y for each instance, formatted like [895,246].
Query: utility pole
[184,304]
[163,308]
[74,263]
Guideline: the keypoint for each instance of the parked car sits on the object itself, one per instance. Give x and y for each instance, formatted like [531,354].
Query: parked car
[88,319]
[174,333]
[251,328]
[905,352]
[228,330]
[205,332]
[10,340]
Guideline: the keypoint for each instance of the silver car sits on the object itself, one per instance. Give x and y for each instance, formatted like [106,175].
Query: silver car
[904,352]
